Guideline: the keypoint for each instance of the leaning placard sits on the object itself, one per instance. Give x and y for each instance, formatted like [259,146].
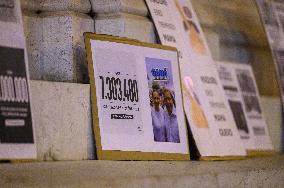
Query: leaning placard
[210,120]
[16,127]
[242,94]
[136,100]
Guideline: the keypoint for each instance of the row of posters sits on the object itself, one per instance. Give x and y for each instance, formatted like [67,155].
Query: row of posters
[207,109]
[140,93]
[272,14]
[138,107]
[16,128]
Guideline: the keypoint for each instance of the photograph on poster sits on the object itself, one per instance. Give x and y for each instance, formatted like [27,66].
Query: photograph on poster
[248,89]
[239,117]
[162,100]
[7,11]
[252,104]
[191,28]
[245,81]
[197,113]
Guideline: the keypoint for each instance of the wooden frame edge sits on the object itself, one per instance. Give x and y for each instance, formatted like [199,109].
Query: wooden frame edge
[116,154]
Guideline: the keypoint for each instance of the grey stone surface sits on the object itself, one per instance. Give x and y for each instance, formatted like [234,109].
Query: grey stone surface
[137,7]
[273,115]
[254,172]
[63,46]
[126,25]
[83,6]
[56,46]
[62,120]
[33,32]
[232,179]
[266,178]
[254,178]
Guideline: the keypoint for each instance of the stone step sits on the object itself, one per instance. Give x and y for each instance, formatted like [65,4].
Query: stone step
[33,32]
[272,110]
[254,172]
[62,120]
[56,47]
[126,25]
[63,125]
[137,7]
[83,6]
[55,42]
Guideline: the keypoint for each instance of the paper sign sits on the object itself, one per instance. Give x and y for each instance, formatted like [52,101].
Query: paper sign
[272,14]
[138,97]
[241,90]
[207,111]
[16,128]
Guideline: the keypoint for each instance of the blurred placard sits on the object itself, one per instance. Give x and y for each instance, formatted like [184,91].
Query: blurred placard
[16,127]
[210,119]
[242,93]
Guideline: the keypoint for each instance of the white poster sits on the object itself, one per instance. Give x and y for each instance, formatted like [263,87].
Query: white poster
[211,122]
[272,14]
[138,98]
[16,128]
[241,90]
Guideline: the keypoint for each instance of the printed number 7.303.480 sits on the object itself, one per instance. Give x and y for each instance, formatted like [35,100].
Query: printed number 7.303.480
[119,89]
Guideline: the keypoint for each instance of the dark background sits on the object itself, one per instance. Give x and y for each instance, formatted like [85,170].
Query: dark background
[12,62]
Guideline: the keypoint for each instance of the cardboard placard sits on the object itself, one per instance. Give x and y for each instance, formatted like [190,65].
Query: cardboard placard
[136,100]
[243,96]
[210,120]
[272,15]
[16,127]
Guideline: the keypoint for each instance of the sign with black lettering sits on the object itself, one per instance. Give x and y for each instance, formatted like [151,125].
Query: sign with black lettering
[16,127]
[210,119]
[242,94]
[136,96]
[15,117]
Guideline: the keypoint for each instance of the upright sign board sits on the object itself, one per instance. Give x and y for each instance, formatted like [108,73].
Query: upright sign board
[241,90]
[136,100]
[16,128]
[272,14]
[211,122]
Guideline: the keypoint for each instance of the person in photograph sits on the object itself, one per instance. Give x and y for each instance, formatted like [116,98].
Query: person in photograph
[170,118]
[252,104]
[157,114]
[245,81]
[197,114]
[191,28]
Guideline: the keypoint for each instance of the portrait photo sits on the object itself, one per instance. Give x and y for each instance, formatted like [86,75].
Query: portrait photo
[162,100]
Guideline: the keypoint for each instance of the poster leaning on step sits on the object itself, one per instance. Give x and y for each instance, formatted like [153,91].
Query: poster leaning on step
[210,119]
[136,100]
[242,94]
[16,125]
